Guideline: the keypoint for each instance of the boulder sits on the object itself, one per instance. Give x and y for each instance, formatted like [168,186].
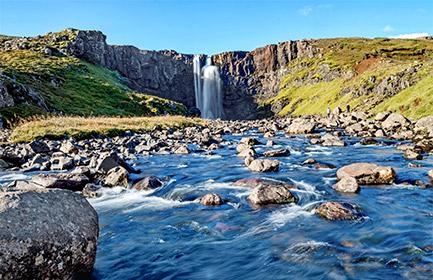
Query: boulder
[395,120]
[271,194]
[182,150]
[248,160]
[38,147]
[111,160]
[367,173]
[46,234]
[309,161]
[412,155]
[257,182]
[250,141]
[430,174]
[61,162]
[301,126]
[347,185]
[332,140]
[211,199]
[148,183]
[249,152]
[117,176]
[425,124]
[264,165]
[277,153]
[68,148]
[333,210]
[73,182]
[381,116]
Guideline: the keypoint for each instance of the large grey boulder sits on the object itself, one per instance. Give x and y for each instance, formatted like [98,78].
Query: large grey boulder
[264,165]
[46,234]
[425,124]
[367,173]
[69,181]
[395,120]
[301,126]
[271,194]
[333,210]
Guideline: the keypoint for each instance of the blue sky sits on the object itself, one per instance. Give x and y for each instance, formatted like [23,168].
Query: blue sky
[212,26]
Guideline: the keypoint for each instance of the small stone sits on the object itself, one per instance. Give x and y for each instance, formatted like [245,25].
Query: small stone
[271,194]
[277,153]
[430,174]
[309,161]
[92,191]
[250,152]
[412,155]
[211,199]
[250,141]
[347,185]
[68,148]
[248,160]
[182,150]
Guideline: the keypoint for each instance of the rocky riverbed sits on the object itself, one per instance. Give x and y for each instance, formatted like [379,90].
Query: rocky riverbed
[348,195]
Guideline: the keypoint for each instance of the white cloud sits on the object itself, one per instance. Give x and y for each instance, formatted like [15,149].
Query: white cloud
[305,11]
[388,28]
[411,35]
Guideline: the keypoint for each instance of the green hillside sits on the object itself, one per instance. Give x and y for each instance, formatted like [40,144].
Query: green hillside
[367,74]
[69,85]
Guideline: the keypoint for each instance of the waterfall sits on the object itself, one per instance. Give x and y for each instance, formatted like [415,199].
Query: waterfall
[208,89]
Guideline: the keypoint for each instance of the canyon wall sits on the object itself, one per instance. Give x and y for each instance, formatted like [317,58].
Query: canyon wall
[168,74]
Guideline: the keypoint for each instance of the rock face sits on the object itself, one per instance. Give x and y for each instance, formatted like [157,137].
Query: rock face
[367,173]
[169,74]
[46,234]
[271,194]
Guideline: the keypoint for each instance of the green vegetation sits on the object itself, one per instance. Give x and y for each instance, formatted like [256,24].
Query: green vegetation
[74,87]
[79,127]
[348,71]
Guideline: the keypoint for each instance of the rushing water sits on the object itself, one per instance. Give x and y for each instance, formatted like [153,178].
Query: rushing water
[208,88]
[165,235]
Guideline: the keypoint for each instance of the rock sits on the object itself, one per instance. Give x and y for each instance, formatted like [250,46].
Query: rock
[368,141]
[412,155]
[213,146]
[250,152]
[250,141]
[73,182]
[269,143]
[4,164]
[425,124]
[117,176]
[68,148]
[324,166]
[248,160]
[60,162]
[111,160]
[309,161]
[277,153]
[347,185]
[336,211]
[331,140]
[430,174]
[46,234]
[92,191]
[301,126]
[264,165]
[257,182]
[271,194]
[367,173]
[211,199]
[182,150]
[337,111]
[381,116]
[240,147]
[148,183]
[395,120]
[379,133]
[38,147]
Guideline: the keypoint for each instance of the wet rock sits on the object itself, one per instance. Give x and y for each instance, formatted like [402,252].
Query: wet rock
[264,165]
[73,182]
[271,194]
[38,147]
[333,210]
[324,166]
[250,141]
[309,161]
[249,152]
[117,176]
[46,234]
[332,140]
[430,174]
[248,160]
[412,155]
[269,143]
[211,199]
[148,183]
[182,150]
[92,191]
[213,146]
[277,153]
[367,173]
[258,182]
[347,185]
[368,141]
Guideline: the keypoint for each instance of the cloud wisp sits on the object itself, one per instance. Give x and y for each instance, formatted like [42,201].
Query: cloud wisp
[411,35]
[388,28]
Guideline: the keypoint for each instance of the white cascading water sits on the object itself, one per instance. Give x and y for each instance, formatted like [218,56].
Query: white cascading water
[208,89]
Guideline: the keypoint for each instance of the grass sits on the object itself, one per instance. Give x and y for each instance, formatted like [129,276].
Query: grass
[74,87]
[80,127]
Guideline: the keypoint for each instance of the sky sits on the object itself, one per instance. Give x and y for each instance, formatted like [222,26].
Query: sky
[214,26]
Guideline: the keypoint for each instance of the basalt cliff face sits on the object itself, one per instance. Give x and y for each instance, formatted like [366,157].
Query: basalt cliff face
[168,74]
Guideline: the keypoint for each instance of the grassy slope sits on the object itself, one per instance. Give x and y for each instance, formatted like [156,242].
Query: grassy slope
[390,57]
[59,127]
[73,87]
